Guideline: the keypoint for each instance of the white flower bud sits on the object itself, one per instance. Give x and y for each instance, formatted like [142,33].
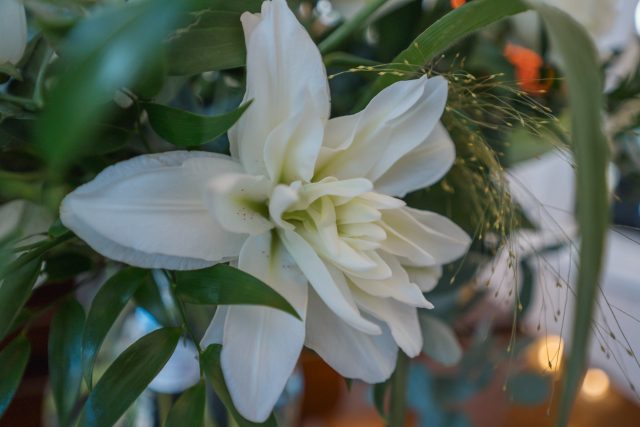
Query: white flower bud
[13,31]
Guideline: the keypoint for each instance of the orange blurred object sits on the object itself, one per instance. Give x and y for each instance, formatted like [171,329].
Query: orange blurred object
[457,3]
[528,65]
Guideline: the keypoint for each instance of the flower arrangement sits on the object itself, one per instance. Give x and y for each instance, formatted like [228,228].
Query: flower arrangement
[246,181]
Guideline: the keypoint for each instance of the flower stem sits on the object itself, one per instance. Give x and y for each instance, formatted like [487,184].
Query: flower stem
[340,34]
[399,391]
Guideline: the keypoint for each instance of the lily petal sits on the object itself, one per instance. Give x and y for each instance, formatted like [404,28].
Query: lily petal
[284,71]
[149,211]
[398,286]
[261,345]
[402,320]
[239,202]
[333,289]
[420,167]
[395,122]
[353,354]
[434,234]
[13,29]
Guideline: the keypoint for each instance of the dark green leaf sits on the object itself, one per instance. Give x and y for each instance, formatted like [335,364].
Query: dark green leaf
[591,155]
[149,298]
[104,52]
[13,361]
[210,362]
[213,40]
[528,388]
[127,377]
[186,129]
[15,291]
[222,284]
[65,265]
[451,28]
[112,297]
[379,397]
[65,369]
[188,411]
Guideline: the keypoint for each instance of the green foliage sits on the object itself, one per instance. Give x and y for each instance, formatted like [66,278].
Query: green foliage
[125,37]
[222,284]
[110,300]
[66,265]
[127,378]
[13,361]
[185,129]
[65,368]
[188,411]
[210,363]
[15,291]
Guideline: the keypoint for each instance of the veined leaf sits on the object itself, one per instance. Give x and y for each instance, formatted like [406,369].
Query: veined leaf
[15,290]
[213,40]
[13,361]
[127,377]
[226,285]
[104,52]
[110,300]
[188,411]
[210,362]
[591,153]
[185,129]
[65,369]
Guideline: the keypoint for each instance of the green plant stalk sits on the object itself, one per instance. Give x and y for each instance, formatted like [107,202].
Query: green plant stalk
[335,39]
[398,404]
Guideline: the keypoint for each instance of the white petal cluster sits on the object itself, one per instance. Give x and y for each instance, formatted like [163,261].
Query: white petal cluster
[305,203]
[13,31]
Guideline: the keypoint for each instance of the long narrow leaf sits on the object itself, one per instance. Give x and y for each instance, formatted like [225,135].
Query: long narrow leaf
[13,361]
[15,290]
[127,377]
[591,155]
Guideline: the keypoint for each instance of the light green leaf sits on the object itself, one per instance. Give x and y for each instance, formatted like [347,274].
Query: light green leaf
[110,300]
[65,369]
[449,29]
[15,290]
[188,411]
[185,129]
[440,342]
[222,284]
[210,363]
[105,52]
[13,361]
[127,377]
[580,63]
[213,40]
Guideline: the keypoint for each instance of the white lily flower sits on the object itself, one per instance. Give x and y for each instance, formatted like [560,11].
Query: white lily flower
[13,31]
[303,200]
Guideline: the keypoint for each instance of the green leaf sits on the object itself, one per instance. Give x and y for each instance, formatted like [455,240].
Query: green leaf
[15,291]
[591,156]
[222,284]
[110,300]
[210,363]
[127,377]
[65,369]
[528,388]
[149,298]
[13,361]
[440,342]
[212,40]
[185,129]
[105,52]
[449,29]
[379,397]
[188,411]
